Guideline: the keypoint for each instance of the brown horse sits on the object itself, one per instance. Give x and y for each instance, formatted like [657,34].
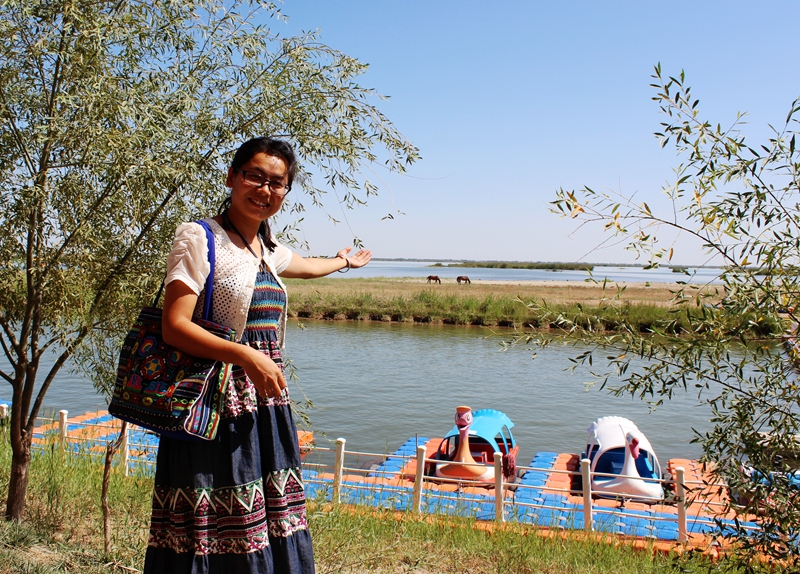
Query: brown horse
[434,279]
[462,279]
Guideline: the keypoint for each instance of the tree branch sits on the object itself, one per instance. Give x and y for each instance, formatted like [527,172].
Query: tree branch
[62,358]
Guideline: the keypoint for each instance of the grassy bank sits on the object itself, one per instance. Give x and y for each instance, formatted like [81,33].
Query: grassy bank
[63,533]
[63,529]
[490,304]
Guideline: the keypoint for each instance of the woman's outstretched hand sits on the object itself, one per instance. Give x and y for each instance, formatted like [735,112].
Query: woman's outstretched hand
[359,259]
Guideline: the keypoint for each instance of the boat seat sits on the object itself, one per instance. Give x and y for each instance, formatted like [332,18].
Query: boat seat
[610,462]
[644,467]
[480,457]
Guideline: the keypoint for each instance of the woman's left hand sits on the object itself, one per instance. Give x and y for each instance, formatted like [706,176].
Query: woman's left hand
[358,260]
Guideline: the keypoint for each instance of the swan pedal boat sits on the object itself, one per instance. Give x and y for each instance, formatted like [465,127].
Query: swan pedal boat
[473,441]
[618,448]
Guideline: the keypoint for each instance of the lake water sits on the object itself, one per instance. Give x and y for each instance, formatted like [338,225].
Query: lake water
[377,384]
[380,268]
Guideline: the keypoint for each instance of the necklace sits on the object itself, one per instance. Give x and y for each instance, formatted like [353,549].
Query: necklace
[228,221]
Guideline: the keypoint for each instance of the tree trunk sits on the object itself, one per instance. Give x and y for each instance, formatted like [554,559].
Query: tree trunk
[18,481]
[111,450]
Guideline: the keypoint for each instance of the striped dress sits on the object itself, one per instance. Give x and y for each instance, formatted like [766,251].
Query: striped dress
[236,504]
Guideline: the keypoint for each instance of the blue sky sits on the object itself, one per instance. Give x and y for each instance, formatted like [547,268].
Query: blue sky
[508,101]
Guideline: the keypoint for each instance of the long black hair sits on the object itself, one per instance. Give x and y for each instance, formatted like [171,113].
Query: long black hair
[246,152]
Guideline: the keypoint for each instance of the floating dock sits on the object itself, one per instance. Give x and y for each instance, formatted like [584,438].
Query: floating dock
[547,493]
[90,434]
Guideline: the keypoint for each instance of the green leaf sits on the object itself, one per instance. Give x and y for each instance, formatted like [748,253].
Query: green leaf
[727,342]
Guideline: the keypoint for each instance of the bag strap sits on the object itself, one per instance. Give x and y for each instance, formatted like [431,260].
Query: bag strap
[212,260]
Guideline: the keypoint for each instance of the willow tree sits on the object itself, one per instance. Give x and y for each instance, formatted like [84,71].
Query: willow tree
[741,202]
[117,119]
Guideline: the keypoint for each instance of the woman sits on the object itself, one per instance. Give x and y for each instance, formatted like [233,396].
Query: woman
[237,503]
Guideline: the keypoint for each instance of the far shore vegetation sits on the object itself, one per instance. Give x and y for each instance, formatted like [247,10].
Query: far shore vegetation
[520,265]
[63,532]
[564,266]
[499,304]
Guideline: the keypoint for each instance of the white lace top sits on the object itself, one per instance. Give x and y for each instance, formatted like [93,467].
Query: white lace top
[234,273]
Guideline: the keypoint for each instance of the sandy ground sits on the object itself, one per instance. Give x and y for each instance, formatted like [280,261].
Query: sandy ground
[544,283]
[555,291]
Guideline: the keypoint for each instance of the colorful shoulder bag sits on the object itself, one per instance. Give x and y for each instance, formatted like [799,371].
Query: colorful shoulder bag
[167,390]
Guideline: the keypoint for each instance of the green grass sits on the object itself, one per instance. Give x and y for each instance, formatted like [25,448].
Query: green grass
[492,306]
[430,306]
[364,540]
[63,527]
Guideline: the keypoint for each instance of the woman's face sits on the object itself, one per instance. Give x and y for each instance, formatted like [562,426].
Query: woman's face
[251,202]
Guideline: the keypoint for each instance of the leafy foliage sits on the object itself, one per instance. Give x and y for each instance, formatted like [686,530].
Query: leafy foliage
[116,123]
[741,202]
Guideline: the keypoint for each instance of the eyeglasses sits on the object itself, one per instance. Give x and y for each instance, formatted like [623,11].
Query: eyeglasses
[256,179]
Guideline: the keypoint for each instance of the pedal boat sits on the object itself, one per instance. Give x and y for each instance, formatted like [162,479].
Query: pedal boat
[617,448]
[472,443]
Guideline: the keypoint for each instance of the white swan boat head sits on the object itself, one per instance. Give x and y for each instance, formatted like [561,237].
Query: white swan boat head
[625,460]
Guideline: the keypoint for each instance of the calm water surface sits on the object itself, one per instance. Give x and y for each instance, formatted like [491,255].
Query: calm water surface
[377,384]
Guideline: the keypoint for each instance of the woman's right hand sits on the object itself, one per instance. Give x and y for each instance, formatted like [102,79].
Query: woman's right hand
[180,331]
[264,373]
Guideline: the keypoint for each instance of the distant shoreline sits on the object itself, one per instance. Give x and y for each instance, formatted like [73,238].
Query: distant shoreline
[583,284]
[574,284]
[579,263]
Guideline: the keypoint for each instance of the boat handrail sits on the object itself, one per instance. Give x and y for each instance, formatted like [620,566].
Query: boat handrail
[386,456]
[631,476]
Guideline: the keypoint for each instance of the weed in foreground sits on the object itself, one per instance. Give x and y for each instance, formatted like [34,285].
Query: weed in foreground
[358,539]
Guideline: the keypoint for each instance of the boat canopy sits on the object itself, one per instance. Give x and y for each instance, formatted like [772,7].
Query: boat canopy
[609,447]
[488,424]
[607,434]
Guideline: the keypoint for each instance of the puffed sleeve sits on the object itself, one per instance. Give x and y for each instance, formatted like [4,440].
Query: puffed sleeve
[281,257]
[188,260]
